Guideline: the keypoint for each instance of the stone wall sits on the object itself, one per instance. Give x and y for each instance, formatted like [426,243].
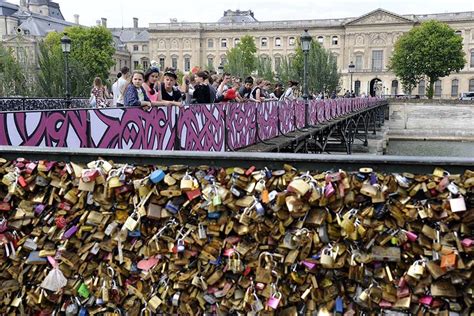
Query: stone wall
[431,120]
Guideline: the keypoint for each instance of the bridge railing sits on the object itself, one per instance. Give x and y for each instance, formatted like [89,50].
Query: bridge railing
[206,127]
[32,104]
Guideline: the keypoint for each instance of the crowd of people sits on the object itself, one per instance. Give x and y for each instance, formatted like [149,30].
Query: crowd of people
[153,88]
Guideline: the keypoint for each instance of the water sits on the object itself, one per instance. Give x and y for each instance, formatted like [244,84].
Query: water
[430,148]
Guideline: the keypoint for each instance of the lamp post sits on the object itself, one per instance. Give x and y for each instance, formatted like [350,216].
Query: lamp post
[305,46]
[66,48]
[351,71]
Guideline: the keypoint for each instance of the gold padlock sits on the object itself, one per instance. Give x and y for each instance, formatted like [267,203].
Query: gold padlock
[187,183]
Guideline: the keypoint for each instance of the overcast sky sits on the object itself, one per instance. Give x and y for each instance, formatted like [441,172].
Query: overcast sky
[120,12]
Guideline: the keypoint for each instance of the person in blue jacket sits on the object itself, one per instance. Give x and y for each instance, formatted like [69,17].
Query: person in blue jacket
[135,95]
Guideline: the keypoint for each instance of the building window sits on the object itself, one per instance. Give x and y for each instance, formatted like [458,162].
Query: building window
[162,63]
[223,60]
[145,64]
[321,40]
[335,40]
[210,43]
[357,87]
[224,43]
[458,33]
[277,63]
[472,57]
[187,63]
[359,62]
[210,62]
[437,88]
[236,41]
[135,64]
[454,87]
[174,62]
[291,41]
[135,48]
[377,60]
[145,48]
[394,87]
[263,42]
[421,88]
[277,42]
[471,85]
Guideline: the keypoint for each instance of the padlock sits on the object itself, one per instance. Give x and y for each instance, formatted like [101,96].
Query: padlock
[187,183]
[299,186]
[327,259]
[157,176]
[132,221]
[274,300]
[457,204]
[202,234]
[180,245]
[257,304]
[260,186]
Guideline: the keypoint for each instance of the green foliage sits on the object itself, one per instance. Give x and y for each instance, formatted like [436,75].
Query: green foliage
[242,60]
[16,79]
[91,56]
[286,71]
[431,50]
[323,74]
[264,68]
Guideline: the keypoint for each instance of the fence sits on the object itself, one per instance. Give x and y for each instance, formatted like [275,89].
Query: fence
[32,104]
[210,127]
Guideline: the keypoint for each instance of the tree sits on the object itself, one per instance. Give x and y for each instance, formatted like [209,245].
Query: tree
[286,71]
[323,74]
[91,56]
[432,50]
[17,79]
[242,60]
[264,68]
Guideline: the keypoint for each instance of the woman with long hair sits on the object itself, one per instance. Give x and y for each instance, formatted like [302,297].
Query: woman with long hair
[150,84]
[135,95]
[99,93]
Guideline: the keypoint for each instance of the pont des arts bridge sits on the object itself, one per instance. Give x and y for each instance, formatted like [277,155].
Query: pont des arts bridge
[269,126]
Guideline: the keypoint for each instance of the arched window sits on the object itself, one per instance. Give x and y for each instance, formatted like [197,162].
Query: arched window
[359,64]
[236,41]
[357,87]
[174,62]
[335,40]
[277,62]
[291,41]
[277,42]
[263,42]
[454,87]
[421,88]
[224,43]
[162,63]
[187,63]
[210,62]
[321,40]
[458,32]
[437,89]
[394,87]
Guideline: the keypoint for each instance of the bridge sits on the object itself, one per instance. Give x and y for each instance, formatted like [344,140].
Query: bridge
[270,126]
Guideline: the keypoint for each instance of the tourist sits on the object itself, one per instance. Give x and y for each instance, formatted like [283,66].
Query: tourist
[151,79]
[246,90]
[135,95]
[99,94]
[123,82]
[289,94]
[116,90]
[256,95]
[277,92]
[169,90]
[225,84]
[202,93]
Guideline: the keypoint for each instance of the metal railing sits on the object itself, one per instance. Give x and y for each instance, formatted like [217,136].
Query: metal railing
[32,104]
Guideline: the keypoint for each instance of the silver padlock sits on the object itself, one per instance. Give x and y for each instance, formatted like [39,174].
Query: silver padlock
[202,232]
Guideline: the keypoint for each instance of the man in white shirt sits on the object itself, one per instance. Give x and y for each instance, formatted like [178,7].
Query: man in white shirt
[122,85]
[116,90]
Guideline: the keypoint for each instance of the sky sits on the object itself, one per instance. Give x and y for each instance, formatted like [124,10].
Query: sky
[121,12]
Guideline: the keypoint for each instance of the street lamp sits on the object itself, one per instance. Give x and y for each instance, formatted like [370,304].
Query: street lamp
[305,46]
[66,48]
[351,71]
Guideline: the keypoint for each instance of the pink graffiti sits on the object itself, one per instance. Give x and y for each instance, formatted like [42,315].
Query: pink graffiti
[286,113]
[201,127]
[53,129]
[267,119]
[240,123]
[144,130]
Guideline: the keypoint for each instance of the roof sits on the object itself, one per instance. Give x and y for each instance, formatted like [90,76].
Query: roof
[132,35]
[40,25]
[7,8]
[237,17]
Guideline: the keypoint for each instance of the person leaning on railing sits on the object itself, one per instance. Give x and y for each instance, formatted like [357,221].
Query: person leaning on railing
[151,81]
[135,95]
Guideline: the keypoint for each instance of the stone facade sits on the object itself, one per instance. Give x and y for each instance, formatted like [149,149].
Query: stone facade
[367,41]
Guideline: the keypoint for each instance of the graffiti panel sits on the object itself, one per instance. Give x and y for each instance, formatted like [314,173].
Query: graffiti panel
[286,113]
[201,127]
[300,114]
[133,128]
[267,119]
[63,128]
[240,123]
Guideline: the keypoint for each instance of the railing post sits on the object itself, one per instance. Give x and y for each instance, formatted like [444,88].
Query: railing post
[177,141]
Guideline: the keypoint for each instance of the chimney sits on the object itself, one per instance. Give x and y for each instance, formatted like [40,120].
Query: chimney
[76,19]
[97,22]
[23,3]
[104,22]
[135,23]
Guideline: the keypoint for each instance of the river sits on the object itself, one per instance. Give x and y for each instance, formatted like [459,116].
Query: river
[430,148]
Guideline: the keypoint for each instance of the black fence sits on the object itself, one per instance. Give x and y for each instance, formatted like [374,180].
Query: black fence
[29,104]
